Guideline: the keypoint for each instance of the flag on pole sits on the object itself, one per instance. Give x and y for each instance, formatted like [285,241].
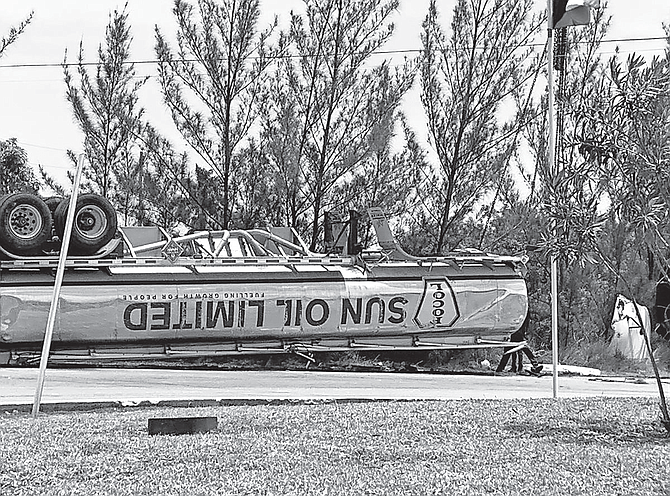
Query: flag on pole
[572,12]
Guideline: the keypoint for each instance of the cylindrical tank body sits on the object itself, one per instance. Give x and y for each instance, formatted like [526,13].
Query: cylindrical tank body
[141,303]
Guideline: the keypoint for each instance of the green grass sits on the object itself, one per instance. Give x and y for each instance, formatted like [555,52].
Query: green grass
[528,447]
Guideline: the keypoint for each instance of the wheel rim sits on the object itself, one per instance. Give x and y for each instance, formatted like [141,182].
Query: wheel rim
[91,221]
[25,221]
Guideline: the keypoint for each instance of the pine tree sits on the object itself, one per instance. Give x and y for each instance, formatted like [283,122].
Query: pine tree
[105,106]
[220,63]
[14,33]
[466,79]
[324,108]
[16,175]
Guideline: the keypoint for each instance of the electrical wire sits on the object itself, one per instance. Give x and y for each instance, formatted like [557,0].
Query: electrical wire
[377,52]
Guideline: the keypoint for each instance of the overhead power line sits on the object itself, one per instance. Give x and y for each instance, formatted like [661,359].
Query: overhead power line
[378,52]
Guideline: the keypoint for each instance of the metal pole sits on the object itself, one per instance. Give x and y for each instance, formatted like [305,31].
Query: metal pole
[554,323]
[56,292]
[552,174]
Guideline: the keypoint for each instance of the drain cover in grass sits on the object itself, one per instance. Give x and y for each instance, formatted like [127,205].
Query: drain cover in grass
[181,425]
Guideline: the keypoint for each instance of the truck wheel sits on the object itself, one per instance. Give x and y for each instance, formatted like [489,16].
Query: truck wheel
[25,223]
[94,223]
[662,309]
[52,245]
[53,202]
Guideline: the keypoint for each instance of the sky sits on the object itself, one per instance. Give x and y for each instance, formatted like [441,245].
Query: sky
[33,108]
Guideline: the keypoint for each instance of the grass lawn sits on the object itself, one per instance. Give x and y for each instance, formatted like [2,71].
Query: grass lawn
[527,447]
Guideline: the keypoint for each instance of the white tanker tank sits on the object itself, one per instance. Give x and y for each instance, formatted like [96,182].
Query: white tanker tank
[144,293]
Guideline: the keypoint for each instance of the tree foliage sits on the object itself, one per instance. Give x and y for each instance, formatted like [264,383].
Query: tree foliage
[14,33]
[16,175]
[566,201]
[603,204]
[572,192]
[466,78]
[211,85]
[330,111]
[172,187]
[105,106]
[626,133]
[15,172]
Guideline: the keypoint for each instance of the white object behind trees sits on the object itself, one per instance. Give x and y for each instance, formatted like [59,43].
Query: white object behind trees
[628,338]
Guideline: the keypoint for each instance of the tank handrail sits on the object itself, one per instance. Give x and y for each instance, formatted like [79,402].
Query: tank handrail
[179,239]
[224,243]
[251,237]
[302,249]
[223,236]
[259,250]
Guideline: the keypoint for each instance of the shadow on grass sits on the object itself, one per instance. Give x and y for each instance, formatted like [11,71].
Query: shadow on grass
[593,432]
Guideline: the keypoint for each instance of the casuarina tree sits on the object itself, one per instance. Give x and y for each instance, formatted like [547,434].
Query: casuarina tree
[329,107]
[211,85]
[105,106]
[14,33]
[467,79]
[16,175]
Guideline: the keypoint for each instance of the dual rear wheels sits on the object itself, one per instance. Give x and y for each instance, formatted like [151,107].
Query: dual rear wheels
[28,223]
[25,223]
[94,223]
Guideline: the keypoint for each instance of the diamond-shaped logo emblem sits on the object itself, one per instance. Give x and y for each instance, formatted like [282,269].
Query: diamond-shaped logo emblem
[172,250]
[438,307]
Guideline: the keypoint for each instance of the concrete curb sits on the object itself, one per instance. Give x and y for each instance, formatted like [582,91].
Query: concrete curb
[121,405]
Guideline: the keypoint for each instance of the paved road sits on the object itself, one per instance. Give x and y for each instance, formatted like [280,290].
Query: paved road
[17,386]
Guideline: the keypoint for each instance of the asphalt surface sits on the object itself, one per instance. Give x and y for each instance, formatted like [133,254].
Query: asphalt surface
[95,387]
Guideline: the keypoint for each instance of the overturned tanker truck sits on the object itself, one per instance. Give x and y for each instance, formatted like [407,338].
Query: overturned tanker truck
[140,292]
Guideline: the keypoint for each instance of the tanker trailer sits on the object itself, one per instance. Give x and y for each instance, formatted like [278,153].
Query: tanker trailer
[145,293]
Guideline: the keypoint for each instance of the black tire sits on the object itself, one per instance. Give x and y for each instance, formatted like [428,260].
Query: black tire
[94,223]
[25,223]
[662,309]
[52,246]
[53,202]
